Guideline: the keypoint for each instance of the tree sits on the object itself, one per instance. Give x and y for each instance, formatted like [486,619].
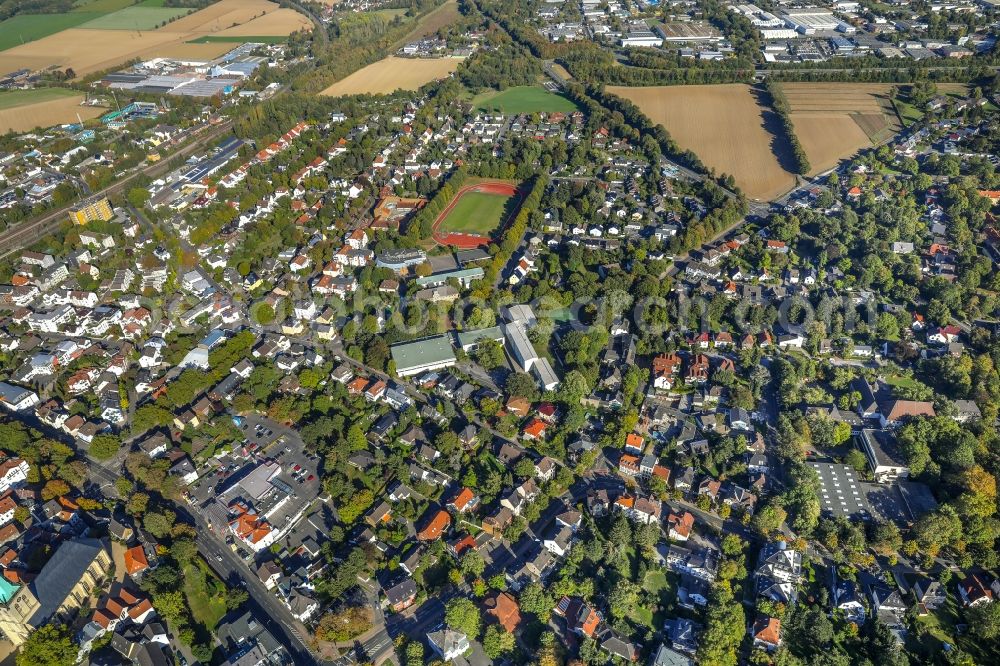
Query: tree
[534,599]
[415,653]
[724,630]
[159,524]
[104,447]
[137,196]
[856,459]
[236,597]
[984,620]
[54,488]
[769,519]
[472,564]
[344,624]
[462,614]
[497,641]
[265,314]
[50,645]
[489,354]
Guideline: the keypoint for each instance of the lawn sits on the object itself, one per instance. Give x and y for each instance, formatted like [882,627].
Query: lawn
[940,626]
[207,602]
[902,382]
[477,213]
[14,98]
[524,99]
[29,27]
[239,39]
[655,582]
[136,18]
[657,585]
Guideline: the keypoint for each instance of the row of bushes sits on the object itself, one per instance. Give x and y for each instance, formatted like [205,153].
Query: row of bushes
[512,236]
[422,225]
[780,105]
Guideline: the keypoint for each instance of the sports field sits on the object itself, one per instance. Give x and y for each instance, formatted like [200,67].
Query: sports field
[476,212]
[835,120]
[724,126]
[136,18]
[523,99]
[391,74]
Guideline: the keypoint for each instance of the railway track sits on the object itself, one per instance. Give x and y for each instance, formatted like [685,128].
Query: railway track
[27,233]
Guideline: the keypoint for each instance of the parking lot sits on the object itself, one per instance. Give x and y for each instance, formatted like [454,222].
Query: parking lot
[295,487]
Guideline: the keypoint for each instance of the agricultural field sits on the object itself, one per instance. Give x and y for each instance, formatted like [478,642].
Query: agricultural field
[26,28]
[13,98]
[136,18]
[835,120]
[108,6]
[391,74]
[88,50]
[234,39]
[523,99]
[722,124]
[23,110]
[279,23]
[444,15]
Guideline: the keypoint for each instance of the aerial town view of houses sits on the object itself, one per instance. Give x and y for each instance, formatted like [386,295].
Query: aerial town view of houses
[513,332]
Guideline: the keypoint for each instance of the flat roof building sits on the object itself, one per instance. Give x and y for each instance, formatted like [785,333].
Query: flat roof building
[413,358]
[469,340]
[465,277]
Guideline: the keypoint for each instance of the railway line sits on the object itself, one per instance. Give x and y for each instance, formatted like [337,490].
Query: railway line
[30,232]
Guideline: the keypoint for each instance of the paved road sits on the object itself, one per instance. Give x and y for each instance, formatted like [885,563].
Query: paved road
[268,610]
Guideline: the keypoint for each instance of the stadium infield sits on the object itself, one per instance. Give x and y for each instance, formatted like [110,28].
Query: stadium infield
[476,212]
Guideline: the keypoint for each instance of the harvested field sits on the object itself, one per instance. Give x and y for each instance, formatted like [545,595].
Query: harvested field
[828,138]
[835,120]
[444,15]
[87,50]
[55,111]
[724,126]
[282,22]
[391,74]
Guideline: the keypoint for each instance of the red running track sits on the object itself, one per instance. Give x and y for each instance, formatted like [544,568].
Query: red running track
[472,241]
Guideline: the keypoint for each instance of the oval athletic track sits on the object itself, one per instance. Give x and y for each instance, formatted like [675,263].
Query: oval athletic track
[465,241]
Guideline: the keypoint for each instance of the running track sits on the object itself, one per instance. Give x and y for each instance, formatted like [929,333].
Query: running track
[472,241]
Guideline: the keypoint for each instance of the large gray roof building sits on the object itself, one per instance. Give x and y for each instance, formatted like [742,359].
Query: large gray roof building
[413,358]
